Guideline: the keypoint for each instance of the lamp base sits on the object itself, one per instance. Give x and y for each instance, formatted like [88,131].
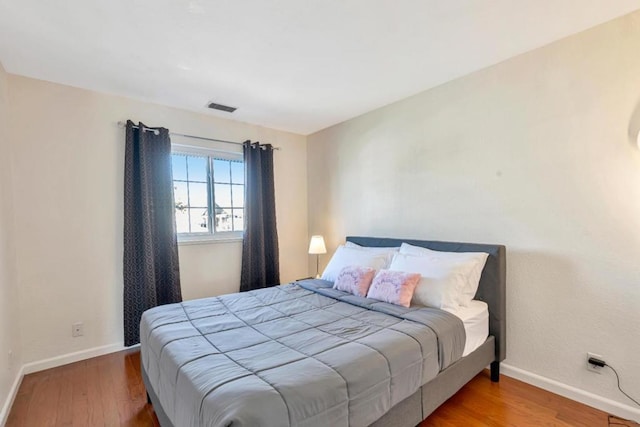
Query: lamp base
[317,266]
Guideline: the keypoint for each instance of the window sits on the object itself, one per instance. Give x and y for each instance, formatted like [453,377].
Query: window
[208,189]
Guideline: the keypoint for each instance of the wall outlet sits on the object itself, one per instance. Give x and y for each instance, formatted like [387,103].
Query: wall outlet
[10,359]
[77,329]
[593,368]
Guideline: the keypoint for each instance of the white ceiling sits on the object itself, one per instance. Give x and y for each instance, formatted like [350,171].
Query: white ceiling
[296,65]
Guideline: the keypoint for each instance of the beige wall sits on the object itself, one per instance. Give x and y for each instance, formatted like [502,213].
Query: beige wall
[68,158]
[536,153]
[9,327]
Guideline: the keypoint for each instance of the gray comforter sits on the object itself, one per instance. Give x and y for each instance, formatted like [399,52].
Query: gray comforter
[293,355]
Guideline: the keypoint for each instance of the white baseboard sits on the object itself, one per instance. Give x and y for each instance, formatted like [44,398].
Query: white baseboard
[64,359]
[4,414]
[607,405]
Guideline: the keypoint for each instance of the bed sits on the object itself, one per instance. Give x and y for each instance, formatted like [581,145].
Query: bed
[305,354]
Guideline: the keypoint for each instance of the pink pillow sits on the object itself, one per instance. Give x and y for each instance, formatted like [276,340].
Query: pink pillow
[355,280]
[395,287]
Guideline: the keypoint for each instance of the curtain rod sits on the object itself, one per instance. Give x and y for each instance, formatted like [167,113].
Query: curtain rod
[123,125]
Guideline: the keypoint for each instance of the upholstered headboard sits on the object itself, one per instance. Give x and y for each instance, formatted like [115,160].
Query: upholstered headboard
[492,289]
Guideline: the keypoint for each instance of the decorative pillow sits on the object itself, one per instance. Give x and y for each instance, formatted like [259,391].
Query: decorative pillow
[355,280]
[387,251]
[470,266]
[345,257]
[395,287]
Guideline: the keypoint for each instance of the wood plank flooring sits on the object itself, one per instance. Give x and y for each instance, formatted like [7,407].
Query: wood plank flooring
[108,391]
[102,391]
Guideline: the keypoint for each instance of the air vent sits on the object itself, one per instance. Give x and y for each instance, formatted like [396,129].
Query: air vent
[221,107]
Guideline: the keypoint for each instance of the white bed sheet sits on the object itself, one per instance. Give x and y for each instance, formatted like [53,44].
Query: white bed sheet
[475,318]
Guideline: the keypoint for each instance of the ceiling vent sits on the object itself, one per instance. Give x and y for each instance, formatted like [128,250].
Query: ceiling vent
[221,107]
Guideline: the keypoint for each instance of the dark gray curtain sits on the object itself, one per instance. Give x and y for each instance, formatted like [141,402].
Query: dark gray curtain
[260,263]
[151,271]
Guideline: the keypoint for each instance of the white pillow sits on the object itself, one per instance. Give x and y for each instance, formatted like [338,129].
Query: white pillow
[442,281]
[472,263]
[389,252]
[345,257]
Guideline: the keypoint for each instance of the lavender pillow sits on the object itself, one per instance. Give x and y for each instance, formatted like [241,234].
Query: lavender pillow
[395,287]
[355,280]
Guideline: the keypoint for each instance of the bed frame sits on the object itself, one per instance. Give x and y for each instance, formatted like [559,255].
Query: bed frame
[492,290]
[417,407]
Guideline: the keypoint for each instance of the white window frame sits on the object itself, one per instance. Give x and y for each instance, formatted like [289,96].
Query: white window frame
[211,237]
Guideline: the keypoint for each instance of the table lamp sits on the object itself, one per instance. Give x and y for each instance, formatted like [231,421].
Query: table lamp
[317,247]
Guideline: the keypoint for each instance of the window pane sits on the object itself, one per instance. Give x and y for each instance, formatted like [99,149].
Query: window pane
[199,221]
[237,196]
[237,172]
[182,220]
[180,194]
[197,168]
[198,195]
[179,166]
[196,179]
[224,221]
[238,219]
[223,195]
[221,170]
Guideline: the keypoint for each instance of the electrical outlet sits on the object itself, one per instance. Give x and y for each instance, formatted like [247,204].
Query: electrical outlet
[10,359]
[77,329]
[593,368]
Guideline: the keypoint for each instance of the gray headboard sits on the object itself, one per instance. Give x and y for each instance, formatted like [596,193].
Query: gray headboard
[492,289]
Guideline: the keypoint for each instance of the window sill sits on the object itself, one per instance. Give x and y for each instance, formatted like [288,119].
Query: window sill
[207,240]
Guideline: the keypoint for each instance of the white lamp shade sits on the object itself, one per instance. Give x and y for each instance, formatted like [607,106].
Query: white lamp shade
[316,246]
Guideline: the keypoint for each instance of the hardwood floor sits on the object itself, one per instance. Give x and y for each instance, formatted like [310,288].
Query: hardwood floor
[108,391]
[514,403]
[103,391]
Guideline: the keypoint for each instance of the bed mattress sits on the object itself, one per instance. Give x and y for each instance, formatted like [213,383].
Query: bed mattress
[298,354]
[475,318]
